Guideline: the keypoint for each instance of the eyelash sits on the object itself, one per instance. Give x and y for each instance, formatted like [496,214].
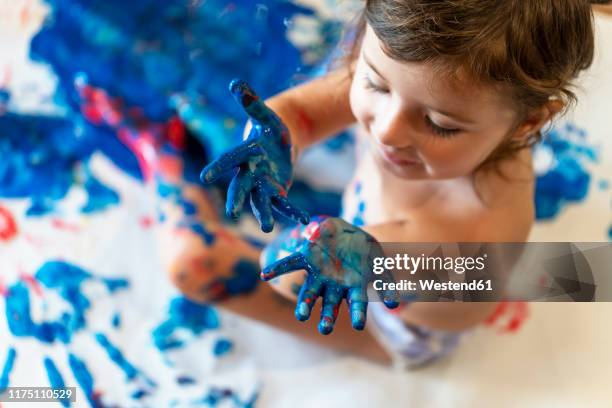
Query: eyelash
[440,131]
[373,87]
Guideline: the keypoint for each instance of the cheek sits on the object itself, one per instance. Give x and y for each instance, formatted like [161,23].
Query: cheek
[452,157]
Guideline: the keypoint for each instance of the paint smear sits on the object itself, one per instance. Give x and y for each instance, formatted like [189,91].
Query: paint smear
[184,314]
[563,176]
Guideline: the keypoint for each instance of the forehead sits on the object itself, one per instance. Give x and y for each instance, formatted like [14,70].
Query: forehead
[422,81]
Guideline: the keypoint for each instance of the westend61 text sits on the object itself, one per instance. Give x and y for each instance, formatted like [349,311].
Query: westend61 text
[431,284]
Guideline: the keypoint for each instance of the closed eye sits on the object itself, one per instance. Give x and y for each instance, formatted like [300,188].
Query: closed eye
[373,87]
[441,131]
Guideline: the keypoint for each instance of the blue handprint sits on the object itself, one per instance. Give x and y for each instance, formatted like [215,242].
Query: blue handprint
[263,161]
[337,257]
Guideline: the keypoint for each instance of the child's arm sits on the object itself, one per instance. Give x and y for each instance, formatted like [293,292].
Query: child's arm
[315,110]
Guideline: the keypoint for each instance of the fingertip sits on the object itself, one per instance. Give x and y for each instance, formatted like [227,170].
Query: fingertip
[266,274]
[265,227]
[204,176]
[391,304]
[302,312]
[359,326]
[231,214]
[325,327]
[236,85]
[358,320]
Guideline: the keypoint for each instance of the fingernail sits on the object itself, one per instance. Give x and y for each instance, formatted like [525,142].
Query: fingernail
[358,319]
[302,311]
[325,326]
[235,85]
[391,304]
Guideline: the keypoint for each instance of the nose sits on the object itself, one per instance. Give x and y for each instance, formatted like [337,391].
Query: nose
[391,127]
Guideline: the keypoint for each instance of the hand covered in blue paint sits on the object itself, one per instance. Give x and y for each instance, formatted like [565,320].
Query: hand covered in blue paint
[338,259]
[263,161]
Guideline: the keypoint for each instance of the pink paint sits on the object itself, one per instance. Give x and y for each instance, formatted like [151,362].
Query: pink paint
[143,150]
[146,221]
[32,283]
[176,133]
[8,226]
[63,225]
[3,289]
[509,316]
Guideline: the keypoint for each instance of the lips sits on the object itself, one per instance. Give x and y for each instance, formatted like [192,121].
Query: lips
[398,159]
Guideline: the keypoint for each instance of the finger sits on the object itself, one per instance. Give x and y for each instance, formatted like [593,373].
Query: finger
[284,207]
[240,186]
[229,160]
[358,305]
[251,103]
[331,305]
[262,209]
[283,266]
[390,297]
[307,297]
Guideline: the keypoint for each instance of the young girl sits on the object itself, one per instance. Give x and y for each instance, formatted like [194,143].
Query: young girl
[448,98]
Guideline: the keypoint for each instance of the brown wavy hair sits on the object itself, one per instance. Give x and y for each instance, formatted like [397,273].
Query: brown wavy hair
[530,50]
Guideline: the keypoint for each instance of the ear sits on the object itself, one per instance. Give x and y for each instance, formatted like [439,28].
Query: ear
[537,118]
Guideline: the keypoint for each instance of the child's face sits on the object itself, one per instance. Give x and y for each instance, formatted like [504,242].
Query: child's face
[422,126]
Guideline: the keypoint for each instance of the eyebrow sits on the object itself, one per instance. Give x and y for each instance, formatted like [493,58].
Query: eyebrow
[367,61]
[445,113]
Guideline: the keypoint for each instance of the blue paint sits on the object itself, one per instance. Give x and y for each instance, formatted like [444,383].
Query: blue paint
[114,284]
[139,394]
[215,396]
[160,73]
[67,280]
[189,208]
[8,367]
[222,346]
[43,156]
[116,322]
[117,356]
[184,314]
[99,196]
[55,378]
[568,179]
[20,321]
[337,257]
[198,228]
[610,233]
[84,378]
[244,279]
[172,66]
[604,184]
[263,161]
[185,380]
